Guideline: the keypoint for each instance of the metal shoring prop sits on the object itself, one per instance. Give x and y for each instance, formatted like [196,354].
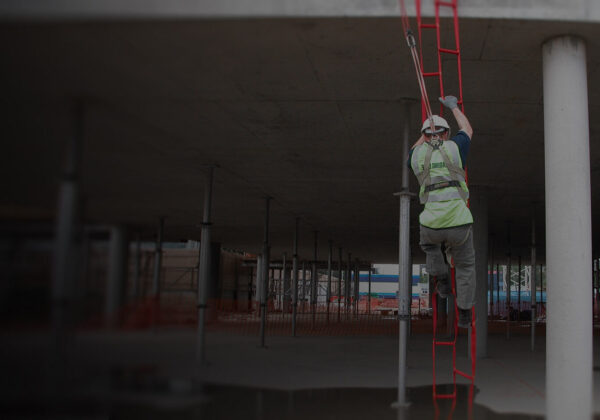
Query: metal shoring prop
[137,267]
[66,231]
[348,285]
[265,276]
[295,279]
[532,281]
[158,256]
[283,283]
[498,290]
[404,268]
[204,268]
[303,296]
[339,314]
[508,284]
[492,276]
[329,268]
[369,293]
[519,291]
[314,289]
[356,286]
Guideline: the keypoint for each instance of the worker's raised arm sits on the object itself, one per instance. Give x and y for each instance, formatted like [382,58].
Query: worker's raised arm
[451,103]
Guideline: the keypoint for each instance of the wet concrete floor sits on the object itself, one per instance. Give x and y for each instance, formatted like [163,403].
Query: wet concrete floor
[217,402]
[351,403]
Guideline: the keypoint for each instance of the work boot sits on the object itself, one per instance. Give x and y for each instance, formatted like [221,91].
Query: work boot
[464,318]
[443,287]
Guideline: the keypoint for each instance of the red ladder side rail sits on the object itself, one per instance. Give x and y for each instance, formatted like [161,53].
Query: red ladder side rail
[420,27]
[456,51]
[436,343]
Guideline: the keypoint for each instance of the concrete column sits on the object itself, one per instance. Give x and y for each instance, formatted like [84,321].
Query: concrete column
[203,269]
[158,258]
[117,275]
[479,208]
[568,230]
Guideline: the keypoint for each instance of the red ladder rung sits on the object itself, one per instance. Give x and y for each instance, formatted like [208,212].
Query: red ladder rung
[445,396]
[464,375]
[448,51]
[445,3]
[428,26]
[432,74]
[444,343]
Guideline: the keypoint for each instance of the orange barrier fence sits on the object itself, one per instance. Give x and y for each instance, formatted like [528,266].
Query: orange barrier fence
[244,317]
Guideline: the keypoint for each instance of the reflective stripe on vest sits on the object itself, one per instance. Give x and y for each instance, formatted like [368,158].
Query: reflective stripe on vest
[432,166]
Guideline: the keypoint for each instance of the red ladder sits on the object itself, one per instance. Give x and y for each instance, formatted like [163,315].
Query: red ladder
[439,74]
[425,110]
[440,50]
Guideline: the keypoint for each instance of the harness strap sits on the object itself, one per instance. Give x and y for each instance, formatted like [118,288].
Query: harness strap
[456,173]
[440,185]
[425,176]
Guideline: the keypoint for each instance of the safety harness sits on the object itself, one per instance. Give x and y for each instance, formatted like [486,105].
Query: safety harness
[456,175]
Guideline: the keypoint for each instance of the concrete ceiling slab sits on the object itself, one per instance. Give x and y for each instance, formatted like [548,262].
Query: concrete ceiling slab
[307,110]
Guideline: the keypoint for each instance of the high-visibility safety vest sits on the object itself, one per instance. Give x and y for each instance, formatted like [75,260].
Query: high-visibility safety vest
[443,189]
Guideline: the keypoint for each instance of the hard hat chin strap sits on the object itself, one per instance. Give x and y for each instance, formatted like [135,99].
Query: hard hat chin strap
[435,141]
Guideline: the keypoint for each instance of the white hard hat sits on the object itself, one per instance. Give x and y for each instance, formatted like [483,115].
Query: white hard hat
[437,121]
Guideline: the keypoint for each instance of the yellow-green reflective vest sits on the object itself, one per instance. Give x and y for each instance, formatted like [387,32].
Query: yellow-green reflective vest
[443,189]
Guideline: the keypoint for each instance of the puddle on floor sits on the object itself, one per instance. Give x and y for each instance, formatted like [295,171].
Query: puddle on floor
[228,402]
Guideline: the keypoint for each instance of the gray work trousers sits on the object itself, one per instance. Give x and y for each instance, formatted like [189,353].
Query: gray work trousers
[459,249]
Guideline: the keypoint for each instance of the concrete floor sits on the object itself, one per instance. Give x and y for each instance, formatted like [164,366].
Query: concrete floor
[153,371]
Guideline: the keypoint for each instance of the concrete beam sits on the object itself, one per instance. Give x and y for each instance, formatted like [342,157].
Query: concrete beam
[574,10]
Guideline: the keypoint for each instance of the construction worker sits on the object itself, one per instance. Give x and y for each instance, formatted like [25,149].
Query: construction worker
[438,161]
